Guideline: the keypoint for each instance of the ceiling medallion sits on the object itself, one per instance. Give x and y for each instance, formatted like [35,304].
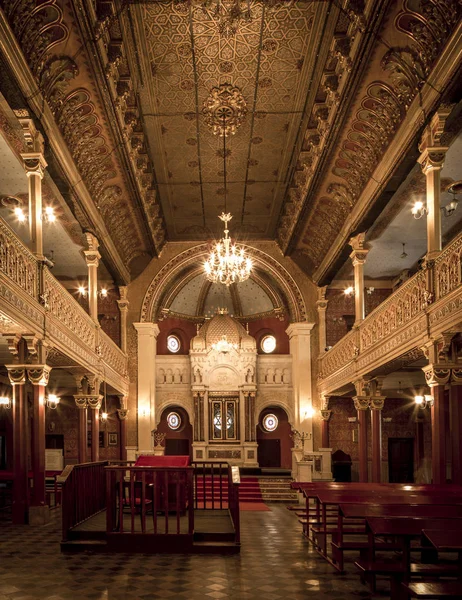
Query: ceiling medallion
[225,109]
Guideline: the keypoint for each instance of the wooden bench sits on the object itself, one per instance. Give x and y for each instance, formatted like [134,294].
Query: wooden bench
[433,589]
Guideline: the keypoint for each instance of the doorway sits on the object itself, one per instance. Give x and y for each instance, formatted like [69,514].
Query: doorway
[274,439]
[175,424]
[401,460]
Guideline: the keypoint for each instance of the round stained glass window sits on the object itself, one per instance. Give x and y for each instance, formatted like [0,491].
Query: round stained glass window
[270,422]
[268,344]
[173,343]
[173,420]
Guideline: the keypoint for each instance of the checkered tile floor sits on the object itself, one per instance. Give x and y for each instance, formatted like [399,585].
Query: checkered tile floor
[275,563]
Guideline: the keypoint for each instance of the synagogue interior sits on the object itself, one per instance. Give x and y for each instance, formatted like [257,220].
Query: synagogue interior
[229,234]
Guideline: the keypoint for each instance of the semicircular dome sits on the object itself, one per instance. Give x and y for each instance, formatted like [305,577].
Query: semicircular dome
[223,326]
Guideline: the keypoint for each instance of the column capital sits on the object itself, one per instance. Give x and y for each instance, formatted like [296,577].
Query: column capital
[377,402]
[326,415]
[436,374]
[122,413]
[358,242]
[92,258]
[38,374]
[151,329]
[34,163]
[361,402]
[295,329]
[17,374]
[456,376]
[321,302]
[87,401]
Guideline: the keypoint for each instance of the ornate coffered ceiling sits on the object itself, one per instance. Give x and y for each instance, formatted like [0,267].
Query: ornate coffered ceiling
[321,100]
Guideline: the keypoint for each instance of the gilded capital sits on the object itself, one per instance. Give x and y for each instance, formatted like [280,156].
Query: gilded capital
[361,402]
[94,401]
[16,374]
[81,400]
[377,402]
[39,374]
[456,376]
[34,164]
[436,375]
[326,414]
[122,413]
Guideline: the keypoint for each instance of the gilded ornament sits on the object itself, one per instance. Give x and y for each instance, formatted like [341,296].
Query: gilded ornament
[224,110]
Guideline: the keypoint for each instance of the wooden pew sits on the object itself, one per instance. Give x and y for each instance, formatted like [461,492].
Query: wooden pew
[363,511]
[403,531]
[433,589]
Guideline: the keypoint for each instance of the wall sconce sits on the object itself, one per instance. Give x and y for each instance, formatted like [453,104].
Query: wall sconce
[20,215]
[52,401]
[82,291]
[49,215]
[419,210]
[309,413]
[454,188]
[424,401]
[370,290]
[144,412]
[104,416]
[349,291]
[103,293]
[5,402]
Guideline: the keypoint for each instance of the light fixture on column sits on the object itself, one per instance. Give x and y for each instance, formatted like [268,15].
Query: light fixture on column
[5,402]
[309,413]
[104,415]
[227,262]
[424,401]
[349,291]
[52,401]
[370,290]
[454,189]
[48,215]
[419,209]
[20,214]
[82,291]
[103,293]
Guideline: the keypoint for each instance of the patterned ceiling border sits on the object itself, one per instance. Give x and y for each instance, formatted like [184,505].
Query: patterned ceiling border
[382,110]
[169,273]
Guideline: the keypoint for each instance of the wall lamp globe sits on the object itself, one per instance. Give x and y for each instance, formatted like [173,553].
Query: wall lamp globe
[419,210]
[5,402]
[349,291]
[52,401]
[423,401]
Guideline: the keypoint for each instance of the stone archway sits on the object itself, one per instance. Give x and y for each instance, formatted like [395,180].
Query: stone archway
[274,447]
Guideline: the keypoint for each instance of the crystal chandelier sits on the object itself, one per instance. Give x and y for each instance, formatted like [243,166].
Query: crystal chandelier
[227,262]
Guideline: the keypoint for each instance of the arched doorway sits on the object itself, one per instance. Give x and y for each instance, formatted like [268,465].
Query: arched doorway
[175,423]
[274,439]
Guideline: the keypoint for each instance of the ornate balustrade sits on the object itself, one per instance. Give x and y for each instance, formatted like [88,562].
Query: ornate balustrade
[17,263]
[34,300]
[401,324]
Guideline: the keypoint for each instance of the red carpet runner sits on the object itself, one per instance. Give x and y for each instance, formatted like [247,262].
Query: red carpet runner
[250,497]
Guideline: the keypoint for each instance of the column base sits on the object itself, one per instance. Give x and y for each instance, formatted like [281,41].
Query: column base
[39,515]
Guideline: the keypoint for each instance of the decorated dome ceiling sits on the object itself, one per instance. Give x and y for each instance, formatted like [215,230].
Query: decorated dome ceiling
[199,298]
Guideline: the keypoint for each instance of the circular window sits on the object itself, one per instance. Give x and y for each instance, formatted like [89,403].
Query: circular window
[270,422]
[173,343]
[268,344]
[173,420]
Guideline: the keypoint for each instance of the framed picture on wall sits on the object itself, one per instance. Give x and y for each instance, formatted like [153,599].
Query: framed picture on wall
[112,438]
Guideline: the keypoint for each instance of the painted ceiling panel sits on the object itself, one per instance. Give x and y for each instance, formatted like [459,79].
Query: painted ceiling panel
[188,50]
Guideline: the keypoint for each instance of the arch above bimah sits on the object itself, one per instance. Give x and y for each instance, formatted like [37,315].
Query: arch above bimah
[187,260]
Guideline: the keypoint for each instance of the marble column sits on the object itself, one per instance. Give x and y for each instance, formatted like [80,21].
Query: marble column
[147,349]
[17,377]
[123,414]
[321,305]
[39,512]
[455,399]
[358,257]
[437,377]
[82,404]
[431,160]
[123,304]
[325,416]
[94,404]
[34,165]
[300,350]
[92,257]
[376,404]
[361,406]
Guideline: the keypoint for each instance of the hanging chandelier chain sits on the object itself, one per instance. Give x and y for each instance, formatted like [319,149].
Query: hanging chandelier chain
[224,163]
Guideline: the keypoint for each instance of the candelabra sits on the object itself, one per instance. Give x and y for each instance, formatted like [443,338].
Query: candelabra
[159,439]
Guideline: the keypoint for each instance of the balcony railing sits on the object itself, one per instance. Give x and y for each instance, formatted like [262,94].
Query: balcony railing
[32,288]
[395,322]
